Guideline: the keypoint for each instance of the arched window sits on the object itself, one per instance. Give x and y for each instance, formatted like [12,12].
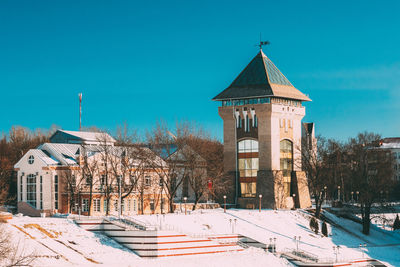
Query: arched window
[286,162]
[248,166]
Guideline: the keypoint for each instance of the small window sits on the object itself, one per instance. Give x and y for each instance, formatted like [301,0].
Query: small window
[116,205]
[96,205]
[152,204]
[88,180]
[147,181]
[31,159]
[85,205]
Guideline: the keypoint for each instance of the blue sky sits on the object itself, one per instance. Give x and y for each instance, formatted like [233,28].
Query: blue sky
[140,61]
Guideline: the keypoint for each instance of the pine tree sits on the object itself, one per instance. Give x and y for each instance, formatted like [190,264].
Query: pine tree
[324,229]
[396,224]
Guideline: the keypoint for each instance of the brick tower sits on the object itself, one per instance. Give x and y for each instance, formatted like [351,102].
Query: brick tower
[262,113]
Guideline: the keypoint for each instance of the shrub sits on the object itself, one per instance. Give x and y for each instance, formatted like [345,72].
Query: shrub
[396,224]
[314,225]
[324,229]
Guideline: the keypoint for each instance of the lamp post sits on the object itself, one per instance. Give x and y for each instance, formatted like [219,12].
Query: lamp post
[338,189]
[362,250]
[336,251]
[185,198]
[224,204]
[352,200]
[78,209]
[325,189]
[274,249]
[119,197]
[259,206]
[297,240]
[357,193]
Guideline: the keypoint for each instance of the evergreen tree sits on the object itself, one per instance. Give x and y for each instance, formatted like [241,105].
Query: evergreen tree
[396,224]
[314,225]
[324,229]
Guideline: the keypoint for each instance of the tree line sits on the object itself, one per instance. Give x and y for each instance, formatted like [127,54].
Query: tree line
[356,171]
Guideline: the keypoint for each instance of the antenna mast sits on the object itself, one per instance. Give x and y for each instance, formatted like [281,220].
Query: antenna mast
[80,111]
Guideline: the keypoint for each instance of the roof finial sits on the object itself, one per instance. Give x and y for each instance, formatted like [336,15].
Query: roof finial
[260,45]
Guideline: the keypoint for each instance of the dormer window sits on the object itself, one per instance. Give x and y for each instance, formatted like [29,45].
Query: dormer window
[31,159]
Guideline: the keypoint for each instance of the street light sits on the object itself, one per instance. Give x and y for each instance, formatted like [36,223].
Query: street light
[338,189]
[357,193]
[78,209]
[336,251]
[185,198]
[224,204]
[297,240]
[119,177]
[352,200]
[362,250]
[259,206]
[325,189]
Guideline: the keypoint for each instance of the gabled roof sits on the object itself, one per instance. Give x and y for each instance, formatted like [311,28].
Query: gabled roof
[65,153]
[39,155]
[261,78]
[62,136]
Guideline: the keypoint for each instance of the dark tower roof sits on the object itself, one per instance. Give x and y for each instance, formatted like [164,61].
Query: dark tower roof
[261,78]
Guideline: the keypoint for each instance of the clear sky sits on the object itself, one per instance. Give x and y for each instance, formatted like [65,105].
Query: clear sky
[140,61]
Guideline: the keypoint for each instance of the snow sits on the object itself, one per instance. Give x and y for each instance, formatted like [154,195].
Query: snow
[76,247]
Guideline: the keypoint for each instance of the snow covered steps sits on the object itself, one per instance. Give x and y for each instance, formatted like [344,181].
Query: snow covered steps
[160,243]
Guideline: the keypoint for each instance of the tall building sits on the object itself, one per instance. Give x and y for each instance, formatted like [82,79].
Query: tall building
[262,113]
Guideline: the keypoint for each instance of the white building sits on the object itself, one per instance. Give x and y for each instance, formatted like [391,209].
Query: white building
[394,145]
[47,174]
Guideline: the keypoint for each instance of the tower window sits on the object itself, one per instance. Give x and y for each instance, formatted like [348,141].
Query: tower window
[248,166]
[239,124]
[286,162]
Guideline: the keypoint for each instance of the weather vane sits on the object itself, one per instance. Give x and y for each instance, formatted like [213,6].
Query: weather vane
[262,43]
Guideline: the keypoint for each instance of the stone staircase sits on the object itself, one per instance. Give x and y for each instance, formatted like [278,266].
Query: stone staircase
[149,241]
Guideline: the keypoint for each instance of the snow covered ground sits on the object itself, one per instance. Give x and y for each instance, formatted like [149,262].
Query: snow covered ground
[58,241]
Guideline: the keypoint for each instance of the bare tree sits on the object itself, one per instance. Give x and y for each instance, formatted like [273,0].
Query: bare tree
[313,163]
[196,172]
[11,254]
[371,172]
[72,182]
[164,144]
[105,170]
